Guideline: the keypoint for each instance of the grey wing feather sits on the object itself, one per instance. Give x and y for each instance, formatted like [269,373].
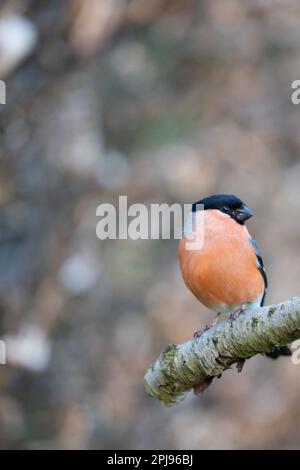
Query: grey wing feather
[260,265]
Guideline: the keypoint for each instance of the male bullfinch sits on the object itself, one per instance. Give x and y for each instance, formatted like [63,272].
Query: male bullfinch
[227,273]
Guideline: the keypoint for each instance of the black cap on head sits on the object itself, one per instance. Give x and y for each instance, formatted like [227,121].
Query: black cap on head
[228,204]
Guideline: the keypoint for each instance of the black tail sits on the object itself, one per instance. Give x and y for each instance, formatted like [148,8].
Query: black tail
[284,351]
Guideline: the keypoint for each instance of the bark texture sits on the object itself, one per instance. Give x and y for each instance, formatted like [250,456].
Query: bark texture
[193,365]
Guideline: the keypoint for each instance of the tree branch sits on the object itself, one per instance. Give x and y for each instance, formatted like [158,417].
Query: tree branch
[194,364]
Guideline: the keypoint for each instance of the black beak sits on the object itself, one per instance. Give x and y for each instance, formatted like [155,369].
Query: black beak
[243,213]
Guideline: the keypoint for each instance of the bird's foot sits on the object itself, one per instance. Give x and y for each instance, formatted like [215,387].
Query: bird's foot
[215,322]
[207,327]
[237,312]
[199,333]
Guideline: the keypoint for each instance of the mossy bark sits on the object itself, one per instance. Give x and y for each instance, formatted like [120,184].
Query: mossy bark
[181,368]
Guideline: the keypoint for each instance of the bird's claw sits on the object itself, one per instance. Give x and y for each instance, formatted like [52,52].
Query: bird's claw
[207,327]
[237,312]
[199,333]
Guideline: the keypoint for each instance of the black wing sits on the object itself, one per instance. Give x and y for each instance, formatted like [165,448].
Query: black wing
[261,267]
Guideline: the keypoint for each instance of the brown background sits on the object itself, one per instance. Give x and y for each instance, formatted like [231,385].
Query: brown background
[164,101]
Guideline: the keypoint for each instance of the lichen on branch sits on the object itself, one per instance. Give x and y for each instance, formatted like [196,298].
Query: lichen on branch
[193,365]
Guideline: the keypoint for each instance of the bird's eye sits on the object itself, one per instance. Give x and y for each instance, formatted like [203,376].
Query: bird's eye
[225,209]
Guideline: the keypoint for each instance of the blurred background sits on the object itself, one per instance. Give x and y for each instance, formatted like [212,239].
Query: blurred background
[163,101]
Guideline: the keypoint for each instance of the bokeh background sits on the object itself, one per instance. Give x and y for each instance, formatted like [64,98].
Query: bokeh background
[163,101]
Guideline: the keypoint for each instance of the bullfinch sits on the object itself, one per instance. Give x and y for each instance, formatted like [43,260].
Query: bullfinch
[227,273]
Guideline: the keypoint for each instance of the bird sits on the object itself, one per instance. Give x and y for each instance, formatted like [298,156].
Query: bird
[227,274]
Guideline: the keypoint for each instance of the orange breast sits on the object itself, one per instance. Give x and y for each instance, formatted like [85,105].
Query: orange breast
[223,273]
